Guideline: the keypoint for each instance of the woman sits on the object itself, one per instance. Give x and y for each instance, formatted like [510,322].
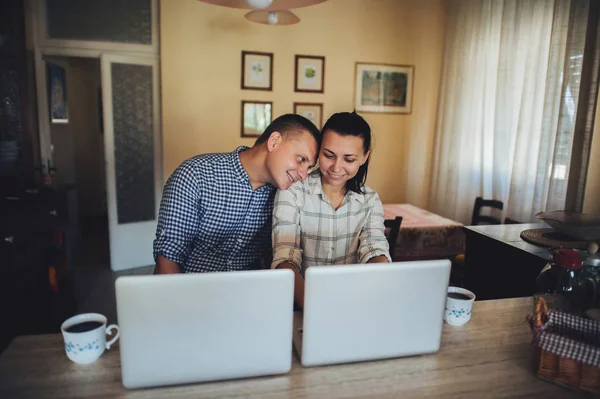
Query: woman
[331,218]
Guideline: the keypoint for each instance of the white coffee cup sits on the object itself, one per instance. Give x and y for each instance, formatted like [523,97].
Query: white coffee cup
[458,310]
[87,346]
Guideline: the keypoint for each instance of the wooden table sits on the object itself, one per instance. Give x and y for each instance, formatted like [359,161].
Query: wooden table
[425,235]
[499,264]
[488,357]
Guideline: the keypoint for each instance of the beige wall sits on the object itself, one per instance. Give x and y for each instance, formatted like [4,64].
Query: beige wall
[201,48]
[591,200]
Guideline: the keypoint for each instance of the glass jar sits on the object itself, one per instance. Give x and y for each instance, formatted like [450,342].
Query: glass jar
[562,284]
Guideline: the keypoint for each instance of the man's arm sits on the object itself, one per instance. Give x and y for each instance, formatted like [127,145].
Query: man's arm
[178,218]
[298,284]
[166,266]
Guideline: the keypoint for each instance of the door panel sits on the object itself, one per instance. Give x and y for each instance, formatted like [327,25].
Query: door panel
[133,156]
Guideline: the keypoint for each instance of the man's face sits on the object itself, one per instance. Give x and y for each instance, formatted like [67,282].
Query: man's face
[290,159]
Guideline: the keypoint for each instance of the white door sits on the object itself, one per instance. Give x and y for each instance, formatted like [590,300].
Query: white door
[43,110]
[132,144]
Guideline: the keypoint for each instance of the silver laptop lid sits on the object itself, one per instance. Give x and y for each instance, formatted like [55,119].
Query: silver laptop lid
[201,327]
[363,312]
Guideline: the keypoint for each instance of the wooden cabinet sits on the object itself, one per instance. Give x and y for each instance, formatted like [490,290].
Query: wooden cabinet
[19,142]
[35,287]
[499,264]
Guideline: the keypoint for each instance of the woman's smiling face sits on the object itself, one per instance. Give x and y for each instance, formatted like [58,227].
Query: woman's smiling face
[340,157]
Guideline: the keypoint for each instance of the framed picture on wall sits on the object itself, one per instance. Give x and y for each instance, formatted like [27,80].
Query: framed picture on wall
[257,71]
[57,93]
[256,116]
[384,88]
[311,111]
[309,74]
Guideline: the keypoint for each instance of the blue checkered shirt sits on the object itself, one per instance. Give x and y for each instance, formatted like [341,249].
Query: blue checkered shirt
[211,219]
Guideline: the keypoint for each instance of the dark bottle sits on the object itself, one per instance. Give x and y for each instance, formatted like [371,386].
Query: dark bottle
[591,273]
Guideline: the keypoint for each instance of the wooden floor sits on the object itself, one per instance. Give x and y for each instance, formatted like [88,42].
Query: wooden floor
[94,281]
[95,289]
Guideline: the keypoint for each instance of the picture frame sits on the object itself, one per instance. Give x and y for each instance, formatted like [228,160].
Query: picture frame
[57,93]
[256,116]
[311,111]
[309,74]
[383,88]
[257,71]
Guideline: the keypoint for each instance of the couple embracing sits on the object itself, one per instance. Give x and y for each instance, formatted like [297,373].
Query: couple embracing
[229,211]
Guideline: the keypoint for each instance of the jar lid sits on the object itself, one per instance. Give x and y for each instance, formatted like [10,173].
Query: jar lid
[593,258]
[567,258]
[592,261]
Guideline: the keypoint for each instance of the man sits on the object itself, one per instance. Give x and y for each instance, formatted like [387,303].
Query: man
[216,210]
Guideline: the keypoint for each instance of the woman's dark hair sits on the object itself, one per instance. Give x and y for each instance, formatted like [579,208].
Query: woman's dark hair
[352,124]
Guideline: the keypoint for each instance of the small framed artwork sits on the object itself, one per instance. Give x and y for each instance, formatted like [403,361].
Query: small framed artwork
[310,74]
[384,88]
[57,94]
[257,71]
[256,116]
[311,111]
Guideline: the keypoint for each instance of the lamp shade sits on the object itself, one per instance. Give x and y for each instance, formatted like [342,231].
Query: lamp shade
[276,5]
[272,17]
[259,3]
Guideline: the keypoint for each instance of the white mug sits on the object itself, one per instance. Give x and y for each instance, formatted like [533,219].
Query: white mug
[87,346]
[458,311]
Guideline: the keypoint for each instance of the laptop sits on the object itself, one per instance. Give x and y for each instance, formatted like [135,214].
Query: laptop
[178,329]
[364,312]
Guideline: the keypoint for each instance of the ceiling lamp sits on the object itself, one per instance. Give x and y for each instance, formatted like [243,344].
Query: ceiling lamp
[283,17]
[270,5]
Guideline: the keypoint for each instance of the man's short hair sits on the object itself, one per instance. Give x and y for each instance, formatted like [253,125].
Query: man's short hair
[290,125]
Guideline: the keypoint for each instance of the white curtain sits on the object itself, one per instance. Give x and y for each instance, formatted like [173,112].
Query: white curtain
[507,103]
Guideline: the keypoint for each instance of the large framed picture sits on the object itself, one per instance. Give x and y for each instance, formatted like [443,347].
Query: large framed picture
[384,88]
[309,74]
[257,71]
[57,94]
[311,111]
[256,116]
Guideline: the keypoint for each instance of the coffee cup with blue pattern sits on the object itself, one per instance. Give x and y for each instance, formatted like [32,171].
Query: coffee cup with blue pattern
[85,337]
[459,305]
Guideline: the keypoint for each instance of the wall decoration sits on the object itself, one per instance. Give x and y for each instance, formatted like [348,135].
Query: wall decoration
[256,116]
[383,88]
[257,71]
[57,93]
[311,111]
[310,74]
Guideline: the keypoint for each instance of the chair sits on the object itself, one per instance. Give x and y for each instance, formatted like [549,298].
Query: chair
[458,272]
[508,220]
[392,234]
[484,219]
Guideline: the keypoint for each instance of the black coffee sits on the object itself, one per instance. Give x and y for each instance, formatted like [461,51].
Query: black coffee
[84,327]
[456,295]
